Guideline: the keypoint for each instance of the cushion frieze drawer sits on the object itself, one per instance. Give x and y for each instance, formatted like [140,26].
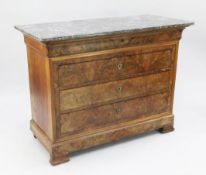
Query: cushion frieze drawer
[113,114]
[74,99]
[113,67]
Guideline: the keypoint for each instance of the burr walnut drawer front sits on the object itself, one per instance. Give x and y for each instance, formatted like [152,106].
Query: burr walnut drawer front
[113,114]
[83,97]
[110,67]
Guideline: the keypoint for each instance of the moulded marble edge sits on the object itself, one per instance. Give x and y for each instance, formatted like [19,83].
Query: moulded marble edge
[46,32]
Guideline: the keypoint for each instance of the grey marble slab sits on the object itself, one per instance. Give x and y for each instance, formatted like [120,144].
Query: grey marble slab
[96,27]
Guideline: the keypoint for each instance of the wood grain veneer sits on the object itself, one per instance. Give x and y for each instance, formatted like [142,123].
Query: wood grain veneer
[97,89]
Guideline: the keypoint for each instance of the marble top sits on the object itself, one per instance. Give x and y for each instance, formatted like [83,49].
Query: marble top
[96,27]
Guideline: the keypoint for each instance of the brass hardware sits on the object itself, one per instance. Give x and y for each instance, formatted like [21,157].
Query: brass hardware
[118,110]
[119,66]
[119,88]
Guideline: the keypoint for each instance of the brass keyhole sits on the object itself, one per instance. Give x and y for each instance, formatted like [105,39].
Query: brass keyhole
[118,110]
[119,66]
[119,88]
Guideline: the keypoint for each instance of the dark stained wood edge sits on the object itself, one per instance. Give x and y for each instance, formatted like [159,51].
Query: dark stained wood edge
[59,151]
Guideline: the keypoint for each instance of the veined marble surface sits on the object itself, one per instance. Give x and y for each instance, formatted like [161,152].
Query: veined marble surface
[97,27]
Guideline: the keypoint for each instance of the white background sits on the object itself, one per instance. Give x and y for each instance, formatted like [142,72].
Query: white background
[177,153]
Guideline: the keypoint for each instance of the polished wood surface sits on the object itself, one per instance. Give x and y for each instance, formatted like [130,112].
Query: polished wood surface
[91,91]
[78,98]
[113,114]
[40,91]
[113,67]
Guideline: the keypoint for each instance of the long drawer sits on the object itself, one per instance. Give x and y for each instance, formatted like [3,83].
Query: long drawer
[83,97]
[113,114]
[113,67]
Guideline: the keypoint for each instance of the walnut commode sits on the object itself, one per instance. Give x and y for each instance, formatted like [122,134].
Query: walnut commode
[97,81]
